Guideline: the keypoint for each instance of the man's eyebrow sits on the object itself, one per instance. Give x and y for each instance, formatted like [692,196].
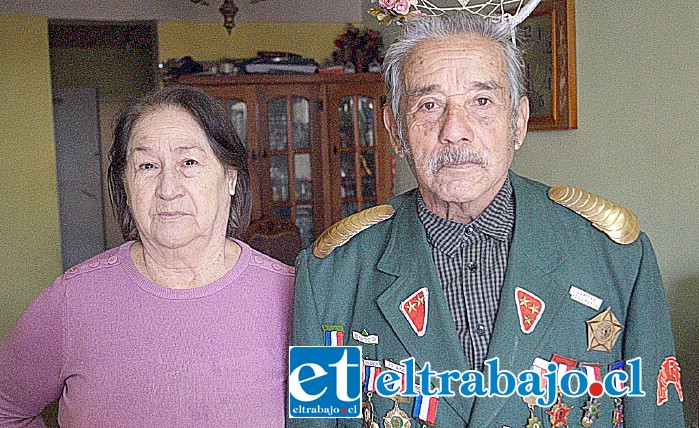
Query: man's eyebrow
[489,85]
[423,90]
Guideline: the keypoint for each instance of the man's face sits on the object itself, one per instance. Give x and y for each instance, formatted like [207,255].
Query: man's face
[458,122]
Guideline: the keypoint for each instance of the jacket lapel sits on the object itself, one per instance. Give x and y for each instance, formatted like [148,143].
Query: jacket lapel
[408,258]
[533,260]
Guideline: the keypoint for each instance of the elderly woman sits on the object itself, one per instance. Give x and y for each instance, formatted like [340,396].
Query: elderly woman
[183,325]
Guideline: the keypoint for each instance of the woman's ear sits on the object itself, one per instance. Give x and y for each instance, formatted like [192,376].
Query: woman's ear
[232,176]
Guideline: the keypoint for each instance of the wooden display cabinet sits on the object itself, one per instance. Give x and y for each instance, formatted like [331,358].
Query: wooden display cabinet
[317,146]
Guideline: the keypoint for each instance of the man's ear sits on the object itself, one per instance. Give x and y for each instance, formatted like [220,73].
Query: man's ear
[522,121]
[389,122]
[232,176]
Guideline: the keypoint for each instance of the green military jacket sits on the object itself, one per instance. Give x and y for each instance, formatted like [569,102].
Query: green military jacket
[360,286]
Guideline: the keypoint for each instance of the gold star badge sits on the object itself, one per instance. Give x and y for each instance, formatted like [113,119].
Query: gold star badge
[602,331]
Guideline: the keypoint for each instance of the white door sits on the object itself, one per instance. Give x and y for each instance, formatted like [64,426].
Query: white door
[78,172]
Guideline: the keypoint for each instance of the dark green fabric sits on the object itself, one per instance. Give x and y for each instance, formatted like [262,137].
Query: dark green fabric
[361,285]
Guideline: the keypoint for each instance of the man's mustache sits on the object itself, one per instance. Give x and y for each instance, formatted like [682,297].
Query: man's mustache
[455,156]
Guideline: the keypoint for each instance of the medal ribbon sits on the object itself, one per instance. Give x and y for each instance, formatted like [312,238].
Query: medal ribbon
[564,364]
[425,409]
[372,369]
[592,371]
[398,368]
[617,366]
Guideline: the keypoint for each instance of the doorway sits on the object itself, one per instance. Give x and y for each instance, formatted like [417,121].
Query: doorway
[97,68]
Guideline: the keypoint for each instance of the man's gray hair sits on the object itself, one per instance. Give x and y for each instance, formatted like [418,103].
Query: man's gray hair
[444,27]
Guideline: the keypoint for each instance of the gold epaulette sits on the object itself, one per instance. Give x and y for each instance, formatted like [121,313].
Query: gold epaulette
[620,224]
[339,233]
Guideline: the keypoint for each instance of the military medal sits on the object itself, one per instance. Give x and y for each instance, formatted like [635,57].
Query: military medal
[368,413]
[602,331]
[533,421]
[334,335]
[539,366]
[396,418]
[591,409]
[425,410]
[593,372]
[618,415]
[669,373]
[415,310]
[372,369]
[558,415]
[530,309]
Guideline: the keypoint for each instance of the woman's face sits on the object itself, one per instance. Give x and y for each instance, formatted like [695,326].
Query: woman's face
[177,190]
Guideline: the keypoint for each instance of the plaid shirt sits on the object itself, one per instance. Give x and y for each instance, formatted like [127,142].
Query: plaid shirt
[471,261]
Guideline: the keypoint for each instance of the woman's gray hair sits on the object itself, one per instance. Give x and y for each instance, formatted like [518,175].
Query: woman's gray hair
[444,27]
[224,141]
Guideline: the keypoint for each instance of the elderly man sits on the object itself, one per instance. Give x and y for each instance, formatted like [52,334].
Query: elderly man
[478,263]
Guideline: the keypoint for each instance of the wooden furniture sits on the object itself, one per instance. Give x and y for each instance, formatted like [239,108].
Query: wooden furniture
[317,146]
[276,237]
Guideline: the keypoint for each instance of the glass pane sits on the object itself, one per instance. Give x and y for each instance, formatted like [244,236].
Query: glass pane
[348,208]
[300,119]
[365,114]
[276,120]
[282,211]
[302,176]
[346,124]
[367,170]
[238,112]
[304,221]
[279,173]
[347,176]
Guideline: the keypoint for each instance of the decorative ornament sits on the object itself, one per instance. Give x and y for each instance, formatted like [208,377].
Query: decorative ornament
[415,309]
[591,410]
[341,232]
[400,11]
[558,415]
[533,421]
[669,373]
[396,418]
[228,9]
[602,331]
[620,224]
[530,308]
[618,415]
[359,47]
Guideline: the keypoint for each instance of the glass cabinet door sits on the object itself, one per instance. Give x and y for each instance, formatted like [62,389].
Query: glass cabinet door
[357,129]
[291,161]
[237,110]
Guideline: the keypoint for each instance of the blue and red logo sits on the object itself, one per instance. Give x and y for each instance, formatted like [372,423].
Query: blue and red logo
[325,381]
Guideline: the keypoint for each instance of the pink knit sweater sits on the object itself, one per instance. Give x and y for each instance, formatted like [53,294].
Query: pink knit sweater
[119,350]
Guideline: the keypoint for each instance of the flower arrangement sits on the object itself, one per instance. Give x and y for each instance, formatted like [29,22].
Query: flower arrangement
[395,10]
[359,46]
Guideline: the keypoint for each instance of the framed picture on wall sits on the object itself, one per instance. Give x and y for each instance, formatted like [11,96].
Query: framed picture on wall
[548,37]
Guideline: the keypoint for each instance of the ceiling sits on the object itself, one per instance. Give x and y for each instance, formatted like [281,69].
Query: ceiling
[162,10]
